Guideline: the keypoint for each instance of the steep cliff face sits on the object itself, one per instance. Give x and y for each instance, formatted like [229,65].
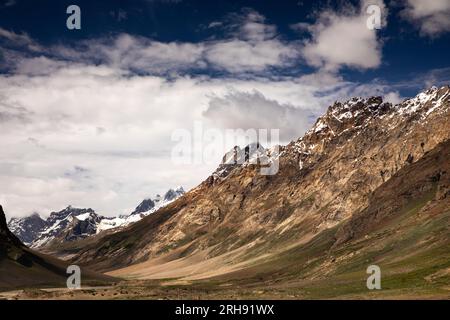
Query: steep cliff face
[325,177]
[423,187]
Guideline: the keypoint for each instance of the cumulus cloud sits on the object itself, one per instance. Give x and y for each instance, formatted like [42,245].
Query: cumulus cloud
[431,17]
[393,97]
[253,27]
[135,54]
[117,127]
[252,110]
[251,45]
[38,65]
[93,120]
[238,56]
[435,77]
[343,39]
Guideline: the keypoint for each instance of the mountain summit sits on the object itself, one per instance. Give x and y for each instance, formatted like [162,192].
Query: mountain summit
[150,205]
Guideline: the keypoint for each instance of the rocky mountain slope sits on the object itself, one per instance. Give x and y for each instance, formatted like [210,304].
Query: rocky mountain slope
[27,229]
[238,218]
[22,267]
[146,207]
[405,230]
[68,225]
[72,224]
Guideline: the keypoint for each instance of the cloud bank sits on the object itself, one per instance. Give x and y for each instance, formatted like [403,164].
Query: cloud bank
[343,39]
[431,17]
[90,124]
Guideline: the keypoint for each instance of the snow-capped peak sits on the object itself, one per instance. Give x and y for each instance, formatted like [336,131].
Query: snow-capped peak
[172,194]
[145,208]
[36,232]
[428,101]
[252,154]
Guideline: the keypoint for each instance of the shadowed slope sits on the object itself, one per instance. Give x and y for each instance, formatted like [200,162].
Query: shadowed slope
[405,230]
[22,267]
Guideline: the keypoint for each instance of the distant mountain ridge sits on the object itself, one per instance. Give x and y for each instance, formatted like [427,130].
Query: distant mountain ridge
[151,204]
[72,224]
[146,207]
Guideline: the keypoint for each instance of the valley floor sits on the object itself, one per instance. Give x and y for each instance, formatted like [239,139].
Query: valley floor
[229,290]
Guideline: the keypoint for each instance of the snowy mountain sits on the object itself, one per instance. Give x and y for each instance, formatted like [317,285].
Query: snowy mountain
[27,229]
[72,224]
[252,154]
[146,207]
[67,225]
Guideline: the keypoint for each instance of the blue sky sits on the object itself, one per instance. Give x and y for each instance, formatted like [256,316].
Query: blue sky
[407,51]
[91,112]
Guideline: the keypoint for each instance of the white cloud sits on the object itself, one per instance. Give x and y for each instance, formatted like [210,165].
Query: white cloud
[239,56]
[343,39]
[254,28]
[393,97]
[432,17]
[136,54]
[252,110]
[118,128]
[38,65]
[110,105]
[251,45]
[215,24]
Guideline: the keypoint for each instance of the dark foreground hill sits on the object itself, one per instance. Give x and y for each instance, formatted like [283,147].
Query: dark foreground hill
[21,267]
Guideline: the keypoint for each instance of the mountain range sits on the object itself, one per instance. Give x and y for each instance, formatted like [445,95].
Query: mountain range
[368,184]
[72,224]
